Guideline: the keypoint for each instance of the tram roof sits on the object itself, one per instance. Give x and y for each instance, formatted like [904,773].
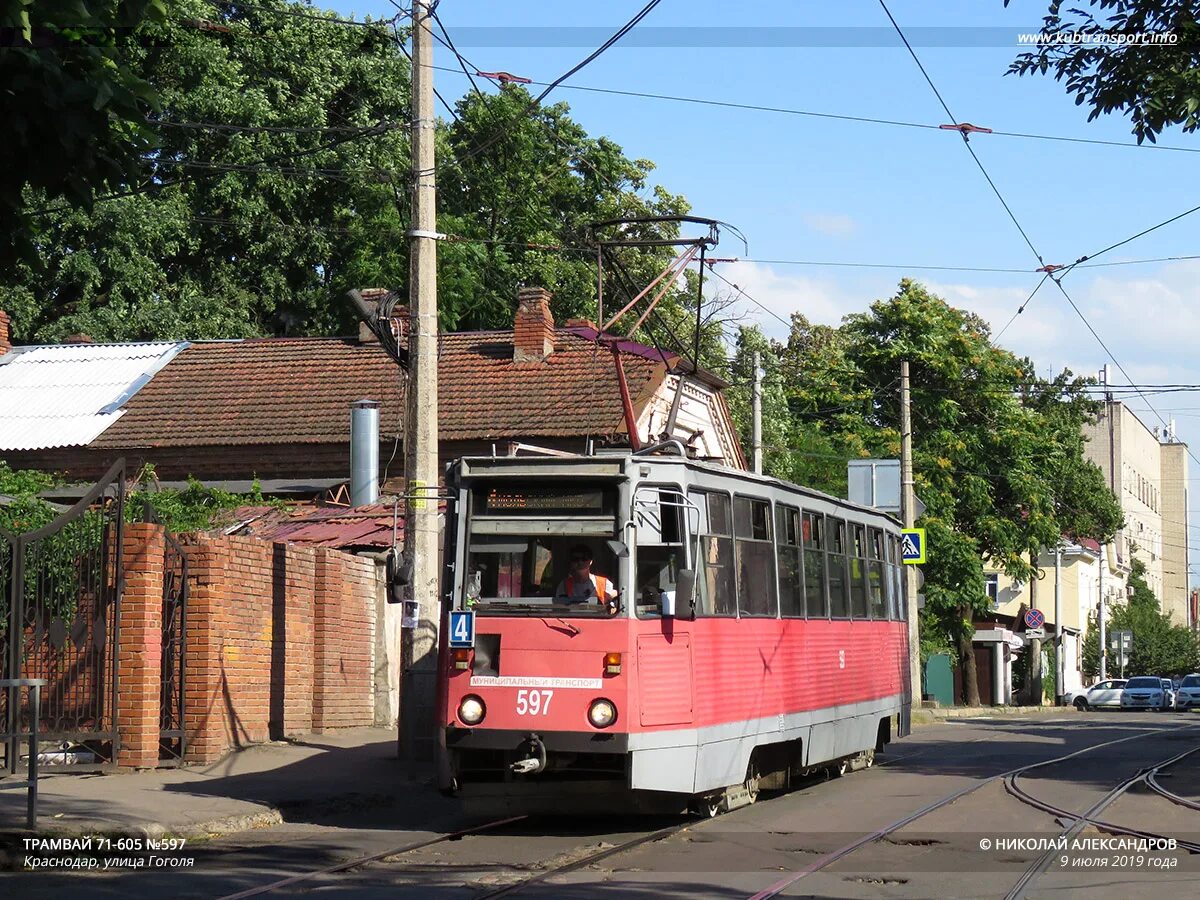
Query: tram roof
[613,464]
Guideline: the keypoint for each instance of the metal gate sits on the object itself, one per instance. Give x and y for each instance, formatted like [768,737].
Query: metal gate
[174,643]
[60,588]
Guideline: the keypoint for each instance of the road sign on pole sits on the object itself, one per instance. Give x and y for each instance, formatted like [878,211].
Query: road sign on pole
[1034,619]
[912,546]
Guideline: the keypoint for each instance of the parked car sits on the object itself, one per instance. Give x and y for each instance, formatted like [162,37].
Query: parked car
[1188,695]
[1169,690]
[1144,692]
[1104,695]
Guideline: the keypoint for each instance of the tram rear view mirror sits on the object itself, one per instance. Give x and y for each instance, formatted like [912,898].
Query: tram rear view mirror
[681,597]
[619,549]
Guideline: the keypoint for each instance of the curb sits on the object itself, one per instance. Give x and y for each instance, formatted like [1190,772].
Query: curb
[268,816]
[934,716]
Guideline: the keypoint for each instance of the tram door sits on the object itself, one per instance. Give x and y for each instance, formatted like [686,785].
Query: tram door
[664,651]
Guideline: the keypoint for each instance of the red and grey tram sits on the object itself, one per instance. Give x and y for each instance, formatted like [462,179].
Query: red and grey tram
[729,633]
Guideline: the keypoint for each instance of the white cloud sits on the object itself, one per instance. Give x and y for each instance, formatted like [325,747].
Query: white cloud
[831,224]
[776,296]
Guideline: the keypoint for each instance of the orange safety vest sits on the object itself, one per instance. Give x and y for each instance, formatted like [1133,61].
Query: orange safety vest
[599,582]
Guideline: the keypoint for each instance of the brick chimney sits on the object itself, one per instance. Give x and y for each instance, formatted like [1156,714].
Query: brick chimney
[5,333]
[398,319]
[533,327]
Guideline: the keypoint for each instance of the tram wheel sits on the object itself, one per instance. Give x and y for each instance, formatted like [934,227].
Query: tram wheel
[868,759]
[841,768]
[712,807]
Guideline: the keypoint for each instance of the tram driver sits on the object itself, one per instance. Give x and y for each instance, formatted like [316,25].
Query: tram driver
[582,585]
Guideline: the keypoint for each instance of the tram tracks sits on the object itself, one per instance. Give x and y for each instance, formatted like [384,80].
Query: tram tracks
[367,859]
[576,863]
[1079,821]
[581,858]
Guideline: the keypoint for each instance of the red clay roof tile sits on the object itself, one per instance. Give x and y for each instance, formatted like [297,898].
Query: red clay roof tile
[299,390]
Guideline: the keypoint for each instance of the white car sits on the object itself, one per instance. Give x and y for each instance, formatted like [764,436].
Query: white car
[1144,692]
[1106,694]
[1188,694]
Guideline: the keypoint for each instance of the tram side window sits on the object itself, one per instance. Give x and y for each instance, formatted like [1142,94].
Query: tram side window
[815,593]
[898,580]
[787,548]
[839,588]
[858,571]
[658,515]
[716,593]
[755,556]
[875,575]
[889,591]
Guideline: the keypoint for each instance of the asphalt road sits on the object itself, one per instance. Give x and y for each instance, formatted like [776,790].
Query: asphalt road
[840,837]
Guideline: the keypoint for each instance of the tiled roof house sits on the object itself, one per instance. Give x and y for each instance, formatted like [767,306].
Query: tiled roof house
[280,407]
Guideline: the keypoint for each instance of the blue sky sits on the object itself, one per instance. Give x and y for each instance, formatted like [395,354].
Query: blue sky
[823,190]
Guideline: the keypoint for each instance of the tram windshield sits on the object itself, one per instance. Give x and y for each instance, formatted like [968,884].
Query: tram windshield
[538,549]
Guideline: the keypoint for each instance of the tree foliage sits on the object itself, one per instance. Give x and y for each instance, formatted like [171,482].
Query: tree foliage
[1160,646]
[280,179]
[74,107]
[1156,84]
[997,452]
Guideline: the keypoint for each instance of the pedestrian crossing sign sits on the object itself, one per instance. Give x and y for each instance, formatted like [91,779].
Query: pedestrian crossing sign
[912,546]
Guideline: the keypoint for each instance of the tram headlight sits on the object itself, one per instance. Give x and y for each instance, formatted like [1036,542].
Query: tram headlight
[602,713]
[471,710]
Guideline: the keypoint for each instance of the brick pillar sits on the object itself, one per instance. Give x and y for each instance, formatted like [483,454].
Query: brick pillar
[5,333]
[139,651]
[203,710]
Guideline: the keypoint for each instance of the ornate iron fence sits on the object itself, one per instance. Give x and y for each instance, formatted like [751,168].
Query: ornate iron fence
[172,741]
[60,587]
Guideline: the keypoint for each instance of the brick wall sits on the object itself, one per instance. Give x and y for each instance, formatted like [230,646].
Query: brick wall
[279,641]
[343,678]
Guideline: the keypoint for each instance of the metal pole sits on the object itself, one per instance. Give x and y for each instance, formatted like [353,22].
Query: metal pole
[908,500]
[1100,616]
[417,722]
[1035,646]
[35,708]
[756,415]
[1059,689]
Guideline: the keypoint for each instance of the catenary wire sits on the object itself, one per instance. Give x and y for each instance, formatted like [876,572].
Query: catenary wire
[871,120]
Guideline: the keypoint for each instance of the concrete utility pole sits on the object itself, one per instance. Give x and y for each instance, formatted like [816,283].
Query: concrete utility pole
[1058,632]
[1112,486]
[1035,646]
[421,540]
[756,415]
[908,502]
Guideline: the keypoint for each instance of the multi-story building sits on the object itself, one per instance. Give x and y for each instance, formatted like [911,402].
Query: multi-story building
[1147,471]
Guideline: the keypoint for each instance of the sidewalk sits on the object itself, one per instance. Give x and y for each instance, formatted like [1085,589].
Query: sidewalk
[264,785]
[941,713]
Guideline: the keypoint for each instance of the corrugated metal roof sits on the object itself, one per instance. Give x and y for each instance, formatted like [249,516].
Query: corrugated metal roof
[67,395]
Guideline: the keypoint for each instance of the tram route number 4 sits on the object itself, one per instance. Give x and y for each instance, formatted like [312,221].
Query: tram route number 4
[462,628]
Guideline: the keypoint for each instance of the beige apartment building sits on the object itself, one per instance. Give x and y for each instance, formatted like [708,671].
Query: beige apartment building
[1000,639]
[1146,469]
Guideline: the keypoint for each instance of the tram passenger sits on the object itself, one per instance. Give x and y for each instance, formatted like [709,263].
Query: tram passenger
[582,584]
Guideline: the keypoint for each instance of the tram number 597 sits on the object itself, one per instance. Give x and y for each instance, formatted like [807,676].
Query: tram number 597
[533,703]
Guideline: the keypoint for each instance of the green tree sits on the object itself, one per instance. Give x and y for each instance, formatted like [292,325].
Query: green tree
[74,108]
[280,180]
[1160,647]
[998,456]
[276,135]
[1156,84]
